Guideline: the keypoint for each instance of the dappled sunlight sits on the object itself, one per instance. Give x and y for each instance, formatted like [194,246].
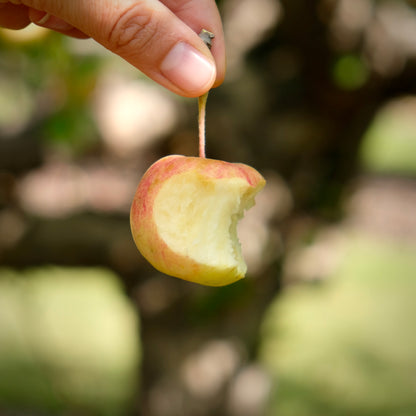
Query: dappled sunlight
[132,114]
[245,24]
[386,30]
[350,18]
[60,188]
[207,371]
[390,39]
[384,207]
[318,260]
[250,391]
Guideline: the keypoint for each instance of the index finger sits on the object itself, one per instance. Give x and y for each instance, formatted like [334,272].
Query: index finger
[203,14]
[13,16]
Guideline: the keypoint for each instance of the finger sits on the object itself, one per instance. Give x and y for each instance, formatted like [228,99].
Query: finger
[48,21]
[148,35]
[203,14]
[13,16]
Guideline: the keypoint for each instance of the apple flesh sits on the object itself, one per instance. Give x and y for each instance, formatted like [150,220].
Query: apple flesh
[184,217]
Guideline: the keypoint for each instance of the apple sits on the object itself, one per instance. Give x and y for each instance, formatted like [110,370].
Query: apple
[184,217]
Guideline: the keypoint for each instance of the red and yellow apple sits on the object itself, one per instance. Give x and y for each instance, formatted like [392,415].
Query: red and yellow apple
[184,217]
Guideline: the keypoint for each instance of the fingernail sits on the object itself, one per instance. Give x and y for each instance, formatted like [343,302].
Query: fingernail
[188,69]
[51,22]
[39,17]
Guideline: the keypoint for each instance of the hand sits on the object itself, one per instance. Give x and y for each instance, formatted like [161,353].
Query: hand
[158,37]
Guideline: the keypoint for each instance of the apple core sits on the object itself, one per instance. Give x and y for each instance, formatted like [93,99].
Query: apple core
[198,217]
[185,213]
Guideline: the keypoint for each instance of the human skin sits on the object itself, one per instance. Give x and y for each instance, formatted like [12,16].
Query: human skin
[160,38]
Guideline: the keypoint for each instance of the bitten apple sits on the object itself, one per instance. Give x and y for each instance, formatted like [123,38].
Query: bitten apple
[184,217]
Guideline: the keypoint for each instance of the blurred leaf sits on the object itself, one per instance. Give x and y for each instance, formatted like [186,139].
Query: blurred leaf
[350,72]
[389,144]
[68,340]
[72,127]
[346,347]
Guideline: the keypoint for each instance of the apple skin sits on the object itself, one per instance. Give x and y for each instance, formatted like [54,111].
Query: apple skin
[144,229]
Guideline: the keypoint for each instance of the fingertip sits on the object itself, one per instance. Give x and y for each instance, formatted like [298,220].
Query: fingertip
[38,17]
[203,15]
[13,16]
[190,71]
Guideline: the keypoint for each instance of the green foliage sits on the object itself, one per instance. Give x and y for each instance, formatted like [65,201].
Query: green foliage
[68,341]
[71,127]
[47,80]
[389,145]
[350,72]
[346,347]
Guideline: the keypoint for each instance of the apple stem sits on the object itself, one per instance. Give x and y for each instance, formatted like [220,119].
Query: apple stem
[202,103]
[207,37]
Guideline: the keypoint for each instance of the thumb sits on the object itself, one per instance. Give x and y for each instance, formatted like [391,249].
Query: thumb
[146,34]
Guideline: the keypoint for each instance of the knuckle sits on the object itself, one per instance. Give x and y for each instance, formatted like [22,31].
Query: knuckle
[135,27]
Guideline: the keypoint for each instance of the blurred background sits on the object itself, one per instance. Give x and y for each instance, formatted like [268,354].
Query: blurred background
[320,97]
